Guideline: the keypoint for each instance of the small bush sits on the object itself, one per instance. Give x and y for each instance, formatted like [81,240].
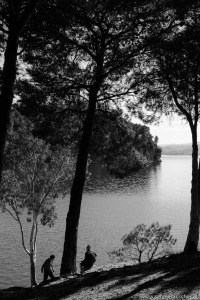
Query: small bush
[145,243]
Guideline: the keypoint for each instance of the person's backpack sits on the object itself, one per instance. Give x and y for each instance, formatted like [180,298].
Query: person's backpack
[92,257]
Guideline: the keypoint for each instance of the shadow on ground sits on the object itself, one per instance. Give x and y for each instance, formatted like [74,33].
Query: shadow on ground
[180,273]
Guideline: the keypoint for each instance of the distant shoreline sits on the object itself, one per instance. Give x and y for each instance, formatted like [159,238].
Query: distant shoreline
[177,149]
[175,154]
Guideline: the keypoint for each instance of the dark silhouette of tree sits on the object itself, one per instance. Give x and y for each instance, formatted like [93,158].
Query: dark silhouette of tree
[168,82]
[34,176]
[80,61]
[14,15]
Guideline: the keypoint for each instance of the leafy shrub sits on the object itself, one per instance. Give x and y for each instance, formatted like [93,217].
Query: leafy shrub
[145,243]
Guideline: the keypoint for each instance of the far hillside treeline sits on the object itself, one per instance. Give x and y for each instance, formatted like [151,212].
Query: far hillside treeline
[123,147]
[177,149]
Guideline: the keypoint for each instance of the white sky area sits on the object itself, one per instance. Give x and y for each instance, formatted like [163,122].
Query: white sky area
[173,131]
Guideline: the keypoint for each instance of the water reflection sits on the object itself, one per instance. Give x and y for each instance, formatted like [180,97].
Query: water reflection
[111,207]
[102,182]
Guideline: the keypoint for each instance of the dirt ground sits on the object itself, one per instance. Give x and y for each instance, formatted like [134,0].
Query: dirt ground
[175,278]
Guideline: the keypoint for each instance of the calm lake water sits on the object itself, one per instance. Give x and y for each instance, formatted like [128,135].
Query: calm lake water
[111,207]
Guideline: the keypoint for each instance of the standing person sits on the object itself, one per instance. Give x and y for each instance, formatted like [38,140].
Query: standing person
[47,268]
[89,260]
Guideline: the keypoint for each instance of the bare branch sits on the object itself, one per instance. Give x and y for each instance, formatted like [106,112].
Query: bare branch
[10,213]
[51,186]
[114,96]
[26,14]
[22,231]
[81,47]
[180,107]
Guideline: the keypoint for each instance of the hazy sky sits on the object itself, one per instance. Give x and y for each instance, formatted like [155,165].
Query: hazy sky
[173,131]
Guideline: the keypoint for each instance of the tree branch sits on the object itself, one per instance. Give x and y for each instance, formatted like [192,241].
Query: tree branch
[57,176]
[196,107]
[113,96]
[26,14]
[10,213]
[12,9]
[22,231]
[81,47]
[180,107]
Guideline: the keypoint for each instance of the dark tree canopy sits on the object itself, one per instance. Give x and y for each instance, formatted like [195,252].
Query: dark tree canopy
[78,59]
[168,82]
[89,57]
[14,16]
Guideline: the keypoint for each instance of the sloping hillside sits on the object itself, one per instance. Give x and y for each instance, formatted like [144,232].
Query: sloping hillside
[174,278]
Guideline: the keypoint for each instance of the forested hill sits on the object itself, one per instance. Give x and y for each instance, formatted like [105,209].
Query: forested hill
[123,146]
[177,149]
[116,142]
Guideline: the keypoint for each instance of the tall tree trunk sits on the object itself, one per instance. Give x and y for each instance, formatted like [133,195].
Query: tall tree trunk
[68,264]
[193,234]
[17,18]
[32,268]
[7,91]
[199,190]
[33,253]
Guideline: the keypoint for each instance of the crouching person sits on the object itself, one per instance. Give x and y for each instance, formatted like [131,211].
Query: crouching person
[89,260]
[47,268]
